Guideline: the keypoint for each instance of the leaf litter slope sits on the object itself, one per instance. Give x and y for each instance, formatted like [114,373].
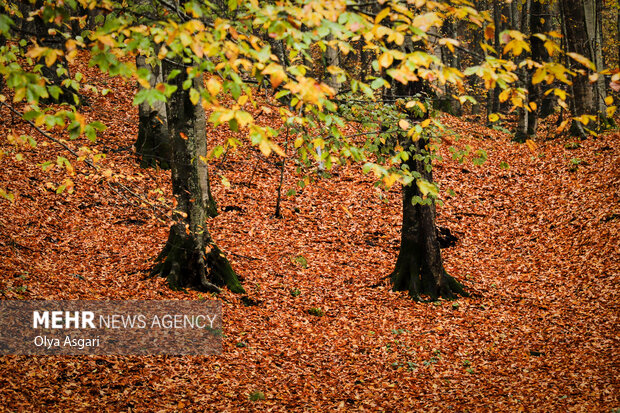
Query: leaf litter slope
[538,247]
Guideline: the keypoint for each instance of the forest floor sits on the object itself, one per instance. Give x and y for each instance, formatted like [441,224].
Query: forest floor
[538,232]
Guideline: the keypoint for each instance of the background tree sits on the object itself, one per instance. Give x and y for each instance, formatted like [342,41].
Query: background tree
[582,30]
[153,142]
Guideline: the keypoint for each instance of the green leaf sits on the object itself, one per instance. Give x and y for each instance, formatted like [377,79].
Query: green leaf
[377,83]
[194,96]
[6,195]
[427,188]
[174,73]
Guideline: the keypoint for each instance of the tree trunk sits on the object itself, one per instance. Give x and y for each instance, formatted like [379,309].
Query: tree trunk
[522,132]
[419,268]
[618,36]
[447,102]
[47,34]
[581,33]
[332,58]
[539,23]
[153,142]
[190,258]
[493,104]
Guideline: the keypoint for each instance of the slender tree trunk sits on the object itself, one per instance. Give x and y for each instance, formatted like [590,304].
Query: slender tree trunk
[332,58]
[524,112]
[153,142]
[190,258]
[447,103]
[493,103]
[539,23]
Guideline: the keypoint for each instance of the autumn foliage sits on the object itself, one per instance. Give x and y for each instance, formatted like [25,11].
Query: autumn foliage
[537,227]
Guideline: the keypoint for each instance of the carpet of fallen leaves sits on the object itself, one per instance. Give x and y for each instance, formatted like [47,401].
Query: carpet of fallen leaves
[538,237]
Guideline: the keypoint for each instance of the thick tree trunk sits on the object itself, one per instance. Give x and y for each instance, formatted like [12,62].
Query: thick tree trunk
[153,142]
[191,258]
[419,268]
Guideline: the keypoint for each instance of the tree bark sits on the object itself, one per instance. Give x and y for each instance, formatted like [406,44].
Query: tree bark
[539,23]
[47,34]
[153,142]
[332,58]
[581,33]
[522,132]
[419,267]
[190,258]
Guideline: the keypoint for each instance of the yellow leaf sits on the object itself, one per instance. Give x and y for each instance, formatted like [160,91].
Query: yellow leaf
[389,180]
[504,95]
[194,96]
[404,124]
[560,93]
[539,75]
[385,60]
[562,126]
[583,60]
[226,116]
[425,123]
[70,45]
[7,195]
[427,188]
[277,149]
[533,105]
[585,119]
[609,100]
[531,145]
[264,147]
[298,142]
[106,40]
[213,86]
[610,111]
[346,210]
[36,52]
[20,94]
[516,46]
[51,57]
[382,15]
[493,117]
[244,118]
